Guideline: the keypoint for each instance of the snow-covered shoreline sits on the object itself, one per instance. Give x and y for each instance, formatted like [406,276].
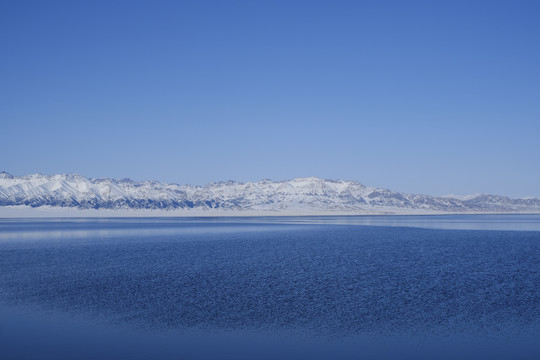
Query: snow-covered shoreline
[46,211]
[66,212]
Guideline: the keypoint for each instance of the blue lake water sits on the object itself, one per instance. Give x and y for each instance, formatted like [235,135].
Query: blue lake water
[271,287]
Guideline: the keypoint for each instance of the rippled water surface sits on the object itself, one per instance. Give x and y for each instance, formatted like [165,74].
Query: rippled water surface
[325,278]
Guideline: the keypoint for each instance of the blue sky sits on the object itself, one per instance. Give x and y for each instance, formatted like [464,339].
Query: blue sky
[430,97]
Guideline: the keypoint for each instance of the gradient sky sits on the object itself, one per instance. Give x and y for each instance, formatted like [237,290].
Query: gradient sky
[428,97]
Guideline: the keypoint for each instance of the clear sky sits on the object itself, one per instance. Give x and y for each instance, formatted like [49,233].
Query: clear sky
[432,97]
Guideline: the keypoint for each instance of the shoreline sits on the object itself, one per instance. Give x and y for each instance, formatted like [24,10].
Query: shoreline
[59,212]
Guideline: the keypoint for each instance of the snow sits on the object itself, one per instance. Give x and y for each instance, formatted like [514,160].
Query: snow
[461,197]
[297,196]
[22,211]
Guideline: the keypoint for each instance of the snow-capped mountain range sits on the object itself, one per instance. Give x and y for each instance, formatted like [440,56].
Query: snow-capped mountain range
[308,194]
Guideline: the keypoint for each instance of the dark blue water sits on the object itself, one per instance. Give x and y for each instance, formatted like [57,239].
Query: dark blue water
[326,280]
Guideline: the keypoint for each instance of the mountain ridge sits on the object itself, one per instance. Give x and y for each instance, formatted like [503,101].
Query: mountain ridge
[310,193]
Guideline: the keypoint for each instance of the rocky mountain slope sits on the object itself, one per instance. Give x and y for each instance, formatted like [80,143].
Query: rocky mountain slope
[75,191]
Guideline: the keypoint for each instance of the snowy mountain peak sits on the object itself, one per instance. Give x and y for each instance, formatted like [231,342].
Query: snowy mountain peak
[5,175]
[308,193]
[461,197]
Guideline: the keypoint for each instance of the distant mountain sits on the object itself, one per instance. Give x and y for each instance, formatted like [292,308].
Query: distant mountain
[306,194]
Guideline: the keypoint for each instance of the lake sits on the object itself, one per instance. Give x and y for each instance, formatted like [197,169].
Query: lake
[271,287]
